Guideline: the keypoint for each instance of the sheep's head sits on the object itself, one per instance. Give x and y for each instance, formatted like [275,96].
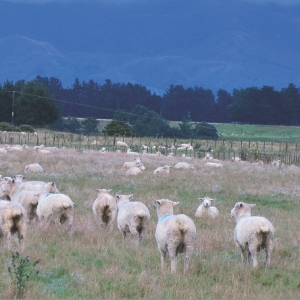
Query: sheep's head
[241,209]
[122,199]
[206,201]
[103,191]
[164,206]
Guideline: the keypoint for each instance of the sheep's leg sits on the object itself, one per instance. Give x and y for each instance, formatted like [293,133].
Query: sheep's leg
[188,254]
[253,254]
[162,258]
[269,248]
[243,254]
[173,258]
[142,234]
[134,233]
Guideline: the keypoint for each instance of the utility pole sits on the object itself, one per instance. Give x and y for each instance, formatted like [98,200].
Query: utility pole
[13,109]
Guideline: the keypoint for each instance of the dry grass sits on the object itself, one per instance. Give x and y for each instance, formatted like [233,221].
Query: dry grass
[88,264]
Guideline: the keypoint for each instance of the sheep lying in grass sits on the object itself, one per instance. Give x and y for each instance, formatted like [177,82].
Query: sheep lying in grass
[105,209]
[183,165]
[252,233]
[129,164]
[37,168]
[55,208]
[210,164]
[162,170]
[205,209]
[12,220]
[174,234]
[134,171]
[133,217]
[28,199]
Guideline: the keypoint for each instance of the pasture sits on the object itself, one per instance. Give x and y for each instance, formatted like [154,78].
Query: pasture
[90,264]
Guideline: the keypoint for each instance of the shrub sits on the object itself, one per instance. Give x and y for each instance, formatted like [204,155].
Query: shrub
[26,128]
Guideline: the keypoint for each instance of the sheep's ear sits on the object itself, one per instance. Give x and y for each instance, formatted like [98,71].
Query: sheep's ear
[252,205]
[175,203]
[241,204]
[158,202]
[53,183]
[201,199]
[130,196]
[13,181]
[108,191]
[117,196]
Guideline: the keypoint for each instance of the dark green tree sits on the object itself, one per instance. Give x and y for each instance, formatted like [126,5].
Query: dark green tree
[90,125]
[205,131]
[35,106]
[186,127]
[118,128]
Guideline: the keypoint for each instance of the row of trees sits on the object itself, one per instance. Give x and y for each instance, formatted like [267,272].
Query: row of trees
[43,100]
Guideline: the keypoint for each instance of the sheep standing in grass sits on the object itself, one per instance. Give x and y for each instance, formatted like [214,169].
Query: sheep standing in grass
[105,209]
[174,234]
[12,220]
[206,210]
[133,217]
[252,233]
[122,144]
[28,199]
[55,208]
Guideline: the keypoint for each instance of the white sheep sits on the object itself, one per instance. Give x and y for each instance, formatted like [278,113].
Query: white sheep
[174,234]
[36,168]
[42,151]
[133,217]
[55,208]
[278,163]
[162,170]
[133,171]
[129,164]
[211,164]
[105,209]
[206,210]
[3,150]
[28,199]
[122,144]
[129,151]
[12,220]
[252,233]
[184,165]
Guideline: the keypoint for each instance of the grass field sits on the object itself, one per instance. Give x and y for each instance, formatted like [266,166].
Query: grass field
[90,264]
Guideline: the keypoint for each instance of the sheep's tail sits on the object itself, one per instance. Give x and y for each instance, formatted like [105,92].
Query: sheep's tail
[106,213]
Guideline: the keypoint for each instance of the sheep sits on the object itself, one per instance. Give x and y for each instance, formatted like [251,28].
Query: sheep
[238,159]
[133,171]
[157,153]
[162,170]
[206,210]
[36,168]
[18,148]
[252,233]
[258,163]
[133,217]
[28,199]
[174,234]
[105,209]
[102,150]
[42,151]
[122,144]
[129,151]
[183,165]
[53,207]
[129,164]
[185,145]
[278,163]
[213,165]
[12,220]
[3,150]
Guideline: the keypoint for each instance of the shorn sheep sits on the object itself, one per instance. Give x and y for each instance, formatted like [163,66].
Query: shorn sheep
[205,209]
[12,220]
[174,234]
[133,217]
[252,233]
[105,209]
[55,208]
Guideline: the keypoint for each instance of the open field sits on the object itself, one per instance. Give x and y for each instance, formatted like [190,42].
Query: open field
[89,264]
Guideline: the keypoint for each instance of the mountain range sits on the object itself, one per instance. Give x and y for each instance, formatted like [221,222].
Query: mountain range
[212,44]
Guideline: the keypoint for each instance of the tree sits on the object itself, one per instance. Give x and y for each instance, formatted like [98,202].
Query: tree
[116,127]
[34,105]
[185,127]
[205,131]
[90,125]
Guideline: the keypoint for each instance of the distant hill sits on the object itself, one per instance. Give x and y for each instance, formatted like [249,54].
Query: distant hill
[220,44]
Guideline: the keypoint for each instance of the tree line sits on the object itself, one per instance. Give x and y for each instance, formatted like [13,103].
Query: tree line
[44,100]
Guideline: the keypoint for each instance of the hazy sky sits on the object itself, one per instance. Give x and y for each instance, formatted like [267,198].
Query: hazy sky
[279,2]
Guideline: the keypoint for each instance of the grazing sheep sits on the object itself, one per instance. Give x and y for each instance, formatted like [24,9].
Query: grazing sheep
[213,165]
[183,165]
[133,217]
[122,144]
[12,220]
[252,233]
[162,170]
[105,209]
[174,234]
[53,208]
[37,168]
[206,210]
[133,171]
[135,163]
[28,199]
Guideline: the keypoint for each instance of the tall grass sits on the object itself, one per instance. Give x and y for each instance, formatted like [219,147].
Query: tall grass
[89,264]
